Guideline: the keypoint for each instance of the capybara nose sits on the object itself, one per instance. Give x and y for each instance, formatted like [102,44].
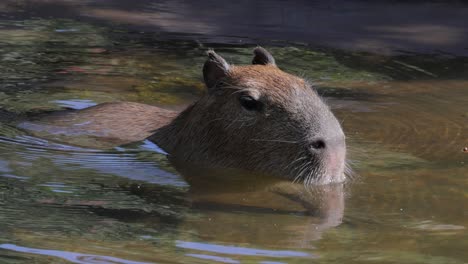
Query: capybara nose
[318,144]
[334,161]
[331,155]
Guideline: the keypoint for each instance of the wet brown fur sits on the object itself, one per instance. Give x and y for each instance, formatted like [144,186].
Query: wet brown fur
[217,131]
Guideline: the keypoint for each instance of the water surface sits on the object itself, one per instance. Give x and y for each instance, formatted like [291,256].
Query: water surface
[405,115]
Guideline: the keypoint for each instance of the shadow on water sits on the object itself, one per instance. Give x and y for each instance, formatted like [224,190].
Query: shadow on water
[379,26]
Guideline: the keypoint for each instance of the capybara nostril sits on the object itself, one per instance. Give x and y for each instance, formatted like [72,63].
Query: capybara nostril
[318,144]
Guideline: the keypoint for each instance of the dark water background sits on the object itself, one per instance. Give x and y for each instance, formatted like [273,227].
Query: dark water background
[394,72]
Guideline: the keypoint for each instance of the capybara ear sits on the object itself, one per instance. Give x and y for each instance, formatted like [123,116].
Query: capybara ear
[215,69]
[263,57]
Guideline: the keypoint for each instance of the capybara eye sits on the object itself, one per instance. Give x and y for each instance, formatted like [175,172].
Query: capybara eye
[250,104]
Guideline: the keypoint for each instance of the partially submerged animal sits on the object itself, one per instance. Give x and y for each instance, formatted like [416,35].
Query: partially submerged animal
[254,117]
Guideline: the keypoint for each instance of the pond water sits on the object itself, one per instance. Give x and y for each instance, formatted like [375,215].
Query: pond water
[405,115]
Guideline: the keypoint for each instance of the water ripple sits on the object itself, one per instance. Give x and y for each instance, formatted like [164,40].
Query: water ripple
[71,256]
[235,250]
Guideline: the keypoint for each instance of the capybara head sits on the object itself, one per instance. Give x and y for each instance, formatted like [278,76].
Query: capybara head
[259,118]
